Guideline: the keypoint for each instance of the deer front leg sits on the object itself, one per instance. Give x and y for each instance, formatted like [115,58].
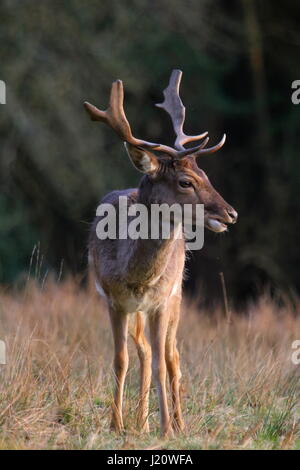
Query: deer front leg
[144,353]
[119,323]
[158,323]
[173,365]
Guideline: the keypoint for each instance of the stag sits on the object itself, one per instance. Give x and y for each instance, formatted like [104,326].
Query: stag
[141,279]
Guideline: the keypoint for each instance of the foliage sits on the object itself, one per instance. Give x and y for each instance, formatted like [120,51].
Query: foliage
[239,59]
[240,387]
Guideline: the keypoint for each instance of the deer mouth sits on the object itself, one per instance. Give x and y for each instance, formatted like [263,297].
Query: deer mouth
[215,225]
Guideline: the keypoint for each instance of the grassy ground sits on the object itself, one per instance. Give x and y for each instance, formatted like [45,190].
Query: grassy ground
[240,387]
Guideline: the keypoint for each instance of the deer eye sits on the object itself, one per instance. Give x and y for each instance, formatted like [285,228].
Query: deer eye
[185,184]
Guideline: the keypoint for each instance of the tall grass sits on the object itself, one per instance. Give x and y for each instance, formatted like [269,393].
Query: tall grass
[240,387]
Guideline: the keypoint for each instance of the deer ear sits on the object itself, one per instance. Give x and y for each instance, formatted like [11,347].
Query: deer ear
[143,160]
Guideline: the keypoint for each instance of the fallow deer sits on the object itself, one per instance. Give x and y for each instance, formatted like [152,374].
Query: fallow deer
[142,279]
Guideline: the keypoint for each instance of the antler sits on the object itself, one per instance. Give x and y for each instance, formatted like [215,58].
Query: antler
[173,105]
[115,118]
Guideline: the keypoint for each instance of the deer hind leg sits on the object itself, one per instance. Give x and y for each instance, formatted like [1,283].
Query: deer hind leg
[158,323]
[119,323]
[173,366]
[144,353]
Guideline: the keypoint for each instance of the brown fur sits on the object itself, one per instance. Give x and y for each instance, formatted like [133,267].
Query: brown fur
[143,278]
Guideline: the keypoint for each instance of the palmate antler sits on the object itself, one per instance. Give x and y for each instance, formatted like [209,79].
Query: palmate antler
[173,105]
[115,117]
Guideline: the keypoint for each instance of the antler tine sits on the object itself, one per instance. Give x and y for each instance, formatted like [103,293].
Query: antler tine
[213,149]
[115,118]
[194,150]
[173,105]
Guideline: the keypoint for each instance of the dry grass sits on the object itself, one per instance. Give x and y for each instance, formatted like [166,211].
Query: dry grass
[241,389]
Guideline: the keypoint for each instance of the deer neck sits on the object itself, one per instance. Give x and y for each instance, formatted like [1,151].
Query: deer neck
[149,258]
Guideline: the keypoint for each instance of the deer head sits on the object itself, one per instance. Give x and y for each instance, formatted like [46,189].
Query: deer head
[173,175]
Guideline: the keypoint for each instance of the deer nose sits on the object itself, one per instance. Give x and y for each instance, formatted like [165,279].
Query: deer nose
[233,215]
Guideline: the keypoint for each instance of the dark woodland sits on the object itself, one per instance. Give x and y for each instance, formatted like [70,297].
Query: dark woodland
[239,59]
